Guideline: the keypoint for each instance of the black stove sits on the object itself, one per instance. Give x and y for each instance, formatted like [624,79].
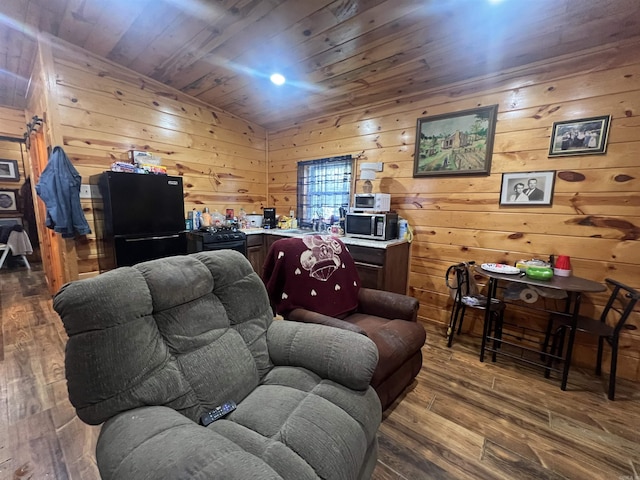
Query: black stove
[221,234]
[217,238]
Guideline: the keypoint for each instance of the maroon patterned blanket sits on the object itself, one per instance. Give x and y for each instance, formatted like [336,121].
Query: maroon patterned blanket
[315,272]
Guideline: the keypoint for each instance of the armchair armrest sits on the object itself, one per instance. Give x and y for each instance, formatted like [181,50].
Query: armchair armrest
[307,316]
[388,304]
[333,353]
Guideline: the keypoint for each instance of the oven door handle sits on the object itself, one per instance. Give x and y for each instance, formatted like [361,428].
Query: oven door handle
[163,237]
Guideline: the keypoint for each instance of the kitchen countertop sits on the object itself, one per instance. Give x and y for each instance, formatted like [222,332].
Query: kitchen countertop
[362,242]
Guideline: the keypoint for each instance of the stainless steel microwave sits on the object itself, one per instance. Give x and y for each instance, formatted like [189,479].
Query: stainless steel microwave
[372,202]
[375,226]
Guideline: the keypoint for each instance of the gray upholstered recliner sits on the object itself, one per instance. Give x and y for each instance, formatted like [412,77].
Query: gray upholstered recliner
[153,347]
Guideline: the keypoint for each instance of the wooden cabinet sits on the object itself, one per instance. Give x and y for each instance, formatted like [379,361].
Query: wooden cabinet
[382,268]
[268,241]
[256,252]
[379,268]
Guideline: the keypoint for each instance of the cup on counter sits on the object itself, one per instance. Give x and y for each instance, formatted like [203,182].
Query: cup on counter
[562,267]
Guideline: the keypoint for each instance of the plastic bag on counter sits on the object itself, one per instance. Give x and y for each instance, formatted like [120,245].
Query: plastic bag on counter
[217,219]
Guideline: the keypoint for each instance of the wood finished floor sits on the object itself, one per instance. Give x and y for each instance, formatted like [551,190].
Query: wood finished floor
[461,419]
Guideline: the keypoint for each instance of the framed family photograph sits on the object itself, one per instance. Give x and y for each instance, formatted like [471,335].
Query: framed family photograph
[580,137]
[9,170]
[527,188]
[459,143]
[8,201]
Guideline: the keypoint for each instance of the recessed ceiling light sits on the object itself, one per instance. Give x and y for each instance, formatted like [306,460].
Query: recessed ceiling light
[278,79]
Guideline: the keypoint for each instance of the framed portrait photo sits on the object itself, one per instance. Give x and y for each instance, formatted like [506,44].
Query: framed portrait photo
[526,189]
[459,143]
[587,136]
[8,201]
[9,170]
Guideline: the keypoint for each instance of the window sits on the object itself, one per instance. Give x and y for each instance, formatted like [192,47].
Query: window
[323,188]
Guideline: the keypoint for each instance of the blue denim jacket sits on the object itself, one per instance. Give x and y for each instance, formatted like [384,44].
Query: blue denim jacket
[59,189]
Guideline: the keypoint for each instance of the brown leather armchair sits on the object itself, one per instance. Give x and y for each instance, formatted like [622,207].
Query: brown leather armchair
[313,279]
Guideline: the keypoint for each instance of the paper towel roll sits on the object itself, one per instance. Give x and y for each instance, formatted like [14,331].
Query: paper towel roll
[528,295]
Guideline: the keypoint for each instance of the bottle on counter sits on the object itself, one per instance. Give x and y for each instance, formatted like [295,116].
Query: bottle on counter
[403,227]
[405,232]
[194,216]
[206,218]
[242,219]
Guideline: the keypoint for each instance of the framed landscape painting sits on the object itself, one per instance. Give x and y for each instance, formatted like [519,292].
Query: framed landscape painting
[459,143]
[580,137]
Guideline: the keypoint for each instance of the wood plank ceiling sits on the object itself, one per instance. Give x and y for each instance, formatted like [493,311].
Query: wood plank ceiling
[336,55]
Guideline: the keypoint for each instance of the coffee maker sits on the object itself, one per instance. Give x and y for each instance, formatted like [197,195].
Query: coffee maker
[269,218]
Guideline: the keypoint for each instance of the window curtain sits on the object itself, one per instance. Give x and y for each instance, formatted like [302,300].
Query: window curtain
[323,188]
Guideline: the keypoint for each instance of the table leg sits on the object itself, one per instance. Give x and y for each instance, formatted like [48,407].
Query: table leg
[548,332]
[496,322]
[486,330]
[572,336]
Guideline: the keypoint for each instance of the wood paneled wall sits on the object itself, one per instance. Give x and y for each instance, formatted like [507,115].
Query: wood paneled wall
[104,110]
[595,216]
[10,150]
[12,122]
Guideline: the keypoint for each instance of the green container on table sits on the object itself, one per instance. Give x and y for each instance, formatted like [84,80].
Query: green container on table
[540,273]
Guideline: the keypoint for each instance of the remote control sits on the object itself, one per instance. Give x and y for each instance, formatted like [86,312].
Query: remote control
[218,412]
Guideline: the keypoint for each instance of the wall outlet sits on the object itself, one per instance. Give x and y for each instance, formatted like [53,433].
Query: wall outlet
[85,191]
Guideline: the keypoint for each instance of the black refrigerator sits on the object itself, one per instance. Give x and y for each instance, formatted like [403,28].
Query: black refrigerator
[137,218]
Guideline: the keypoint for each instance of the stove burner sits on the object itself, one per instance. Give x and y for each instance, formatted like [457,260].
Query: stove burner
[221,228]
[220,234]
